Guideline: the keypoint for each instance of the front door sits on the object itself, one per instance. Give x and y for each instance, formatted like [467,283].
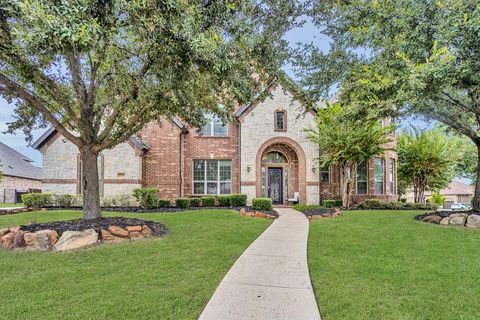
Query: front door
[275,185]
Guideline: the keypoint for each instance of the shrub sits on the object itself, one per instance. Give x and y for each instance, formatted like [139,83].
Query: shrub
[37,200]
[195,202]
[146,197]
[238,200]
[224,200]
[396,205]
[208,201]
[123,200]
[64,200]
[162,203]
[306,207]
[437,198]
[372,204]
[183,203]
[262,204]
[331,203]
[107,202]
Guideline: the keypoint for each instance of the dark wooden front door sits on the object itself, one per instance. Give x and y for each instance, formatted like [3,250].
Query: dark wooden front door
[275,185]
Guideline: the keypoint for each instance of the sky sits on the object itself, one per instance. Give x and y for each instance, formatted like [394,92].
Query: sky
[306,34]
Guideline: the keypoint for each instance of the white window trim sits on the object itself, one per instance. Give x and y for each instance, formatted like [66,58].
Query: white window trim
[211,122]
[383,177]
[329,174]
[205,181]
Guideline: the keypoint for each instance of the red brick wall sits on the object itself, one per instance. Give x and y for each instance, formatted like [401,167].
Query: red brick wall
[161,163]
[215,148]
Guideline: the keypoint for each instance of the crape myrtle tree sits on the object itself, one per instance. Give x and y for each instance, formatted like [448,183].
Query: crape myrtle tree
[99,70]
[414,56]
[426,160]
[347,142]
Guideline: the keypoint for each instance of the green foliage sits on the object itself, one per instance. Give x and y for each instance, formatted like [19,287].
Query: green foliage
[437,198]
[238,200]
[37,200]
[426,160]
[224,200]
[162,203]
[208,201]
[332,203]
[64,200]
[306,207]
[396,205]
[123,200]
[183,203]
[146,197]
[262,204]
[346,141]
[195,202]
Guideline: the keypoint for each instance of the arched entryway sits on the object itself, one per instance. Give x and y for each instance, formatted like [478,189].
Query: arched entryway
[280,170]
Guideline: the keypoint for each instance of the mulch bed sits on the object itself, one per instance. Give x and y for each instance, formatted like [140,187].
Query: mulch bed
[251,210]
[319,212]
[167,209]
[158,229]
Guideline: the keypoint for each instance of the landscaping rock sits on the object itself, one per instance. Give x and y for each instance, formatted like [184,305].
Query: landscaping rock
[445,221]
[4,231]
[146,231]
[107,236]
[134,228]
[119,232]
[473,221]
[458,219]
[40,240]
[260,215]
[136,235]
[14,229]
[243,212]
[19,240]
[71,240]
[432,219]
[7,240]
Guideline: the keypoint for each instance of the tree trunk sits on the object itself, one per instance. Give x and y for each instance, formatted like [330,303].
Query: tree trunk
[476,197]
[346,185]
[90,187]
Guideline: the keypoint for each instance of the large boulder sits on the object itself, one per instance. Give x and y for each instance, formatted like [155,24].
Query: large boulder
[107,236]
[146,231]
[432,219]
[458,219]
[71,240]
[7,240]
[117,231]
[19,240]
[40,240]
[445,221]
[4,231]
[473,221]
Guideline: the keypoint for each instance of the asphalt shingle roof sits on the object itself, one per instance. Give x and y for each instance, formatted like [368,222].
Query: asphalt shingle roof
[16,164]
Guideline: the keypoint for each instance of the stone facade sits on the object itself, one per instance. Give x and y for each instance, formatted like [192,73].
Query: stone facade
[8,185]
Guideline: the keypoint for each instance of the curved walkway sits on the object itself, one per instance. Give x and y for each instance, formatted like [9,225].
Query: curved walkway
[270,280]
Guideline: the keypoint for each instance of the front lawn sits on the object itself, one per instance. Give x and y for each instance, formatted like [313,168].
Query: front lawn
[11,205]
[386,265]
[169,278]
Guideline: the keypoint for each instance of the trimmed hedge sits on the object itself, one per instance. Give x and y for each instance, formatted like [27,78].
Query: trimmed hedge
[146,197]
[183,203]
[396,205]
[306,207]
[224,200]
[332,203]
[64,200]
[195,202]
[162,203]
[208,201]
[262,204]
[238,200]
[37,200]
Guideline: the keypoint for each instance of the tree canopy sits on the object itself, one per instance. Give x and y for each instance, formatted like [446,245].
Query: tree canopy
[347,142]
[408,56]
[98,71]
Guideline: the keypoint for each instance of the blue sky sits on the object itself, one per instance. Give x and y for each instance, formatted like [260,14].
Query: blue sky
[306,34]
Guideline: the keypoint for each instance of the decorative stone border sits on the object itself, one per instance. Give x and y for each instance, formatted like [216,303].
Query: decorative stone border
[6,211]
[465,219]
[316,216]
[256,214]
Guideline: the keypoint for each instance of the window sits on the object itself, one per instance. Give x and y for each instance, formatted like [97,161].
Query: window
[362,178]
[325,174]
[214,127]
[274,157]
[379,174]
[212,176]
[280,123]
[391,174]
[100,174]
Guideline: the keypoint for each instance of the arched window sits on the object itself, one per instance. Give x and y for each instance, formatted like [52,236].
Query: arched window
[274,157]
[280,120]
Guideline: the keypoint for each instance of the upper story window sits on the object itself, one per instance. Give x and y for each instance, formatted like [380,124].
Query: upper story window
[280,120]
[214,127]
[325,174]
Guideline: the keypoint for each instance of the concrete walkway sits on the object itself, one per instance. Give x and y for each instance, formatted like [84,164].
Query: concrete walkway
[270,280]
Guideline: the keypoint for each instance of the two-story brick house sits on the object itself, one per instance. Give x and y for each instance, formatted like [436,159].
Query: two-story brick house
[265,152]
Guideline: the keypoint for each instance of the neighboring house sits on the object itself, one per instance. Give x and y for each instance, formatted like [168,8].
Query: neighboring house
[19,175]
[455,192]
[264,152]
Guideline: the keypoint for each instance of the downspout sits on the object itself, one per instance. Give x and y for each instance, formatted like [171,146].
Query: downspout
[181,162]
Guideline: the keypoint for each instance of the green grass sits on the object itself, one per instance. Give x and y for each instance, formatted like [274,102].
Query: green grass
[10,205]
[170,278]
[386,265]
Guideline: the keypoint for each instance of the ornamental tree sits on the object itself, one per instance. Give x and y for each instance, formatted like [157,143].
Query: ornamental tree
[409,56]
[426,161]
[347,142]
[98,71]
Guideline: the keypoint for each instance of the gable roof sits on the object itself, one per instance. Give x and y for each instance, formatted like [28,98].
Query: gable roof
[16,164]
